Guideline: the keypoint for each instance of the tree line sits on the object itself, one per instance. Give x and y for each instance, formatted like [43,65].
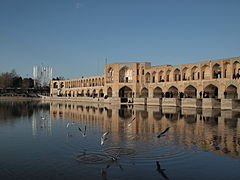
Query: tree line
[13,80]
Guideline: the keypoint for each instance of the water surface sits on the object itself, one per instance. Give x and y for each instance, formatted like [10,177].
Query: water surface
[43,141]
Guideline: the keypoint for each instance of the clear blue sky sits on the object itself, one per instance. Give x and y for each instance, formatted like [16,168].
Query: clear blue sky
[76,36]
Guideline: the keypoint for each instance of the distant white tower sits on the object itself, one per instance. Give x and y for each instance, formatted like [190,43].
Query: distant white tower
[42,75]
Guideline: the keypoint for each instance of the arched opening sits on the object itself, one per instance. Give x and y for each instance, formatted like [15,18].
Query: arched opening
[144,92]
[236,70]
[88,93]
[61,85]
[125,74]
[110,75]
[125,92]
[94,94]
[90,82]
[160,76]
[177,75]
[190,92]
[99,81]
[231,92]
[168,75]
[102,81]
[101,94]
[82,93]
[55,85]
[194,73]
[154,77]
[185,74]
[173,92]
[216,71]
[226,70]
[210,91]
[147,77]
[205,72]
[157,92]
[109,92]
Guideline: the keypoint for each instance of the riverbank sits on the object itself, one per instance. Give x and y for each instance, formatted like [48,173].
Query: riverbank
[19,98]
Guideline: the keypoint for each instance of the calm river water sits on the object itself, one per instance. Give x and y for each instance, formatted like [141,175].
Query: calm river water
[44,141]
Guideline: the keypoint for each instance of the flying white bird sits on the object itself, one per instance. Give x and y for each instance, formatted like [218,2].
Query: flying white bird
[103,138]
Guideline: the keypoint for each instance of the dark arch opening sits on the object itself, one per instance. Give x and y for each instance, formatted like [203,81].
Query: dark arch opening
[190,92]
[231,92]
[125,92]
[210,91]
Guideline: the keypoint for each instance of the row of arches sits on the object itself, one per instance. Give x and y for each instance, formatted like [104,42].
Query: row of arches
[197,72]
[83,93]
[210,91]
[91,82]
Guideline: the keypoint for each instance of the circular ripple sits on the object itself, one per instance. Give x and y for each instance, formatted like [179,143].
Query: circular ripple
[94,158]
[119,151]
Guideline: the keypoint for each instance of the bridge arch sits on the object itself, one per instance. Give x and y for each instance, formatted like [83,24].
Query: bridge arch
[144,92]
[125,92]
[210,91]
[109,92]
[190,91]
[173,92]
[231,92]
[157,92]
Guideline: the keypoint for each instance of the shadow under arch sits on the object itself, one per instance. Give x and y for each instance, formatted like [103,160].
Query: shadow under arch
[210,91]
[125,92]
[190,91]
[231,92]
[144,92]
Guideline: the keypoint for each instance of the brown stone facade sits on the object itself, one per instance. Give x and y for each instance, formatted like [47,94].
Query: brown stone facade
[218,79]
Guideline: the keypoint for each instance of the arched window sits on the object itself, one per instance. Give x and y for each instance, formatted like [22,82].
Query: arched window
[177,75]
[125,74]
[154,77]
[110,75]
[216,71]
[147,77]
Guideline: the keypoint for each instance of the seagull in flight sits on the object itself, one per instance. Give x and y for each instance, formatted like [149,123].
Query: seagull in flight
[162,133]
[104,138]
[83,132]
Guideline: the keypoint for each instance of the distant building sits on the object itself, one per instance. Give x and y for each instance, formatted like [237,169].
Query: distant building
[42,75]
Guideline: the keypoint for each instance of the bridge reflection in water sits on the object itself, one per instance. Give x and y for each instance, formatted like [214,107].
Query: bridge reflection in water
[207,129]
